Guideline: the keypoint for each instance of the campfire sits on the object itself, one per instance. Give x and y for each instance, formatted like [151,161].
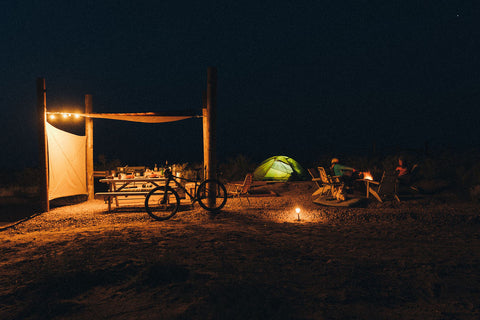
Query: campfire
[367,176]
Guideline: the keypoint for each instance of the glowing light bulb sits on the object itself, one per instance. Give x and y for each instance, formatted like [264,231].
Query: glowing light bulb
[77,116]
[52,117]
[297,210]
[65,115]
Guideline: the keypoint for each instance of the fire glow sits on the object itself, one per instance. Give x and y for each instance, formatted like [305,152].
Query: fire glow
[367,176]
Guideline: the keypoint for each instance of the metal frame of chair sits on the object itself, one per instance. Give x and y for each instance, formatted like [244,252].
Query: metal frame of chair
[241,189]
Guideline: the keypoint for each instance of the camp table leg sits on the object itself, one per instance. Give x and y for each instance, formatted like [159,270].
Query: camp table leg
[113,187]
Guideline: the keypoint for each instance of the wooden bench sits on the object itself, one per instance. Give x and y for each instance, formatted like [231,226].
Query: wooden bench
[107,196]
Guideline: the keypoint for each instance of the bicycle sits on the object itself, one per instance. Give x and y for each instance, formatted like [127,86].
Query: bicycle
[163,202]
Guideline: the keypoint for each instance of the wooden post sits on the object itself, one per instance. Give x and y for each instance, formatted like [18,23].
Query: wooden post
[210,128]
[211,122]
[89,147]
[205,136]
[42,143]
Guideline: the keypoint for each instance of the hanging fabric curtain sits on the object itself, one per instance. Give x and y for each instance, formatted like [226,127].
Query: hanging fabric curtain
[66,163]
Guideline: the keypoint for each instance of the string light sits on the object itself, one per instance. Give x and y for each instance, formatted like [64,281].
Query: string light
[64,115]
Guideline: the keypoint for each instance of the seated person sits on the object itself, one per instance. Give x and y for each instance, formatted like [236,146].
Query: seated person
[346,174]
[405,176]
[341,170]
[403,173]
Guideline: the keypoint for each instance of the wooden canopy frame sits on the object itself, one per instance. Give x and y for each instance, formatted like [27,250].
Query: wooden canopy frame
[209,106]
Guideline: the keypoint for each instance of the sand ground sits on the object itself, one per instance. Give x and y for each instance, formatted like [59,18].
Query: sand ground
[419,259]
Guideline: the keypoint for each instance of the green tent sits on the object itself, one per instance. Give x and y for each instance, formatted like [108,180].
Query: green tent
[279,168]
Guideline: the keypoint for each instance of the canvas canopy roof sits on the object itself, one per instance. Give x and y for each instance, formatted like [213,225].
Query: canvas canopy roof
[146,117]
[279,168]
[67,152]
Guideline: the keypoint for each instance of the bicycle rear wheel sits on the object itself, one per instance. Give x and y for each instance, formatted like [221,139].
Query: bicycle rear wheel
[212,195]
[162,204]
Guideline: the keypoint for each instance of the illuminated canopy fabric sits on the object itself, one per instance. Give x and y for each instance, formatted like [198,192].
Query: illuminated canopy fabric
[67,152]
[66,163]
[146,117]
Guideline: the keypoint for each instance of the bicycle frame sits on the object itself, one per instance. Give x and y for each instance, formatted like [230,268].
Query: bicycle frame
[179,185]
[163,206]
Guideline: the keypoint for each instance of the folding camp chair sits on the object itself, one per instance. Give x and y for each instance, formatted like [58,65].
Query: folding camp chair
[321,188]
[387,188]
[329,183]
[242,189]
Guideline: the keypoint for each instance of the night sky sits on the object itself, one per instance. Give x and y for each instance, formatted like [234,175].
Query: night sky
[298,78]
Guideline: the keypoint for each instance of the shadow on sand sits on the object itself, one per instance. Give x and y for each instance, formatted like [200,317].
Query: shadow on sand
[16,208]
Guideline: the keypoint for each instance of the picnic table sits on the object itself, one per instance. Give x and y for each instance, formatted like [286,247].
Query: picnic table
[135,187]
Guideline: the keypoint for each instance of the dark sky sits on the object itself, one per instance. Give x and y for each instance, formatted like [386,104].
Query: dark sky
[299,78]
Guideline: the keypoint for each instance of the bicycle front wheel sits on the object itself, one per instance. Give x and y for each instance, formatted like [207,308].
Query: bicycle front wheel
[162,203]
[212,195]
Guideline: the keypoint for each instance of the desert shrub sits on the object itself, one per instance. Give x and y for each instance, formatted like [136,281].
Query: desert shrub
[236,168]
[467,172]
[363,163]
[104,164]
[475,174]
[445,165]
[475,193]
[189,171]
[460,169]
